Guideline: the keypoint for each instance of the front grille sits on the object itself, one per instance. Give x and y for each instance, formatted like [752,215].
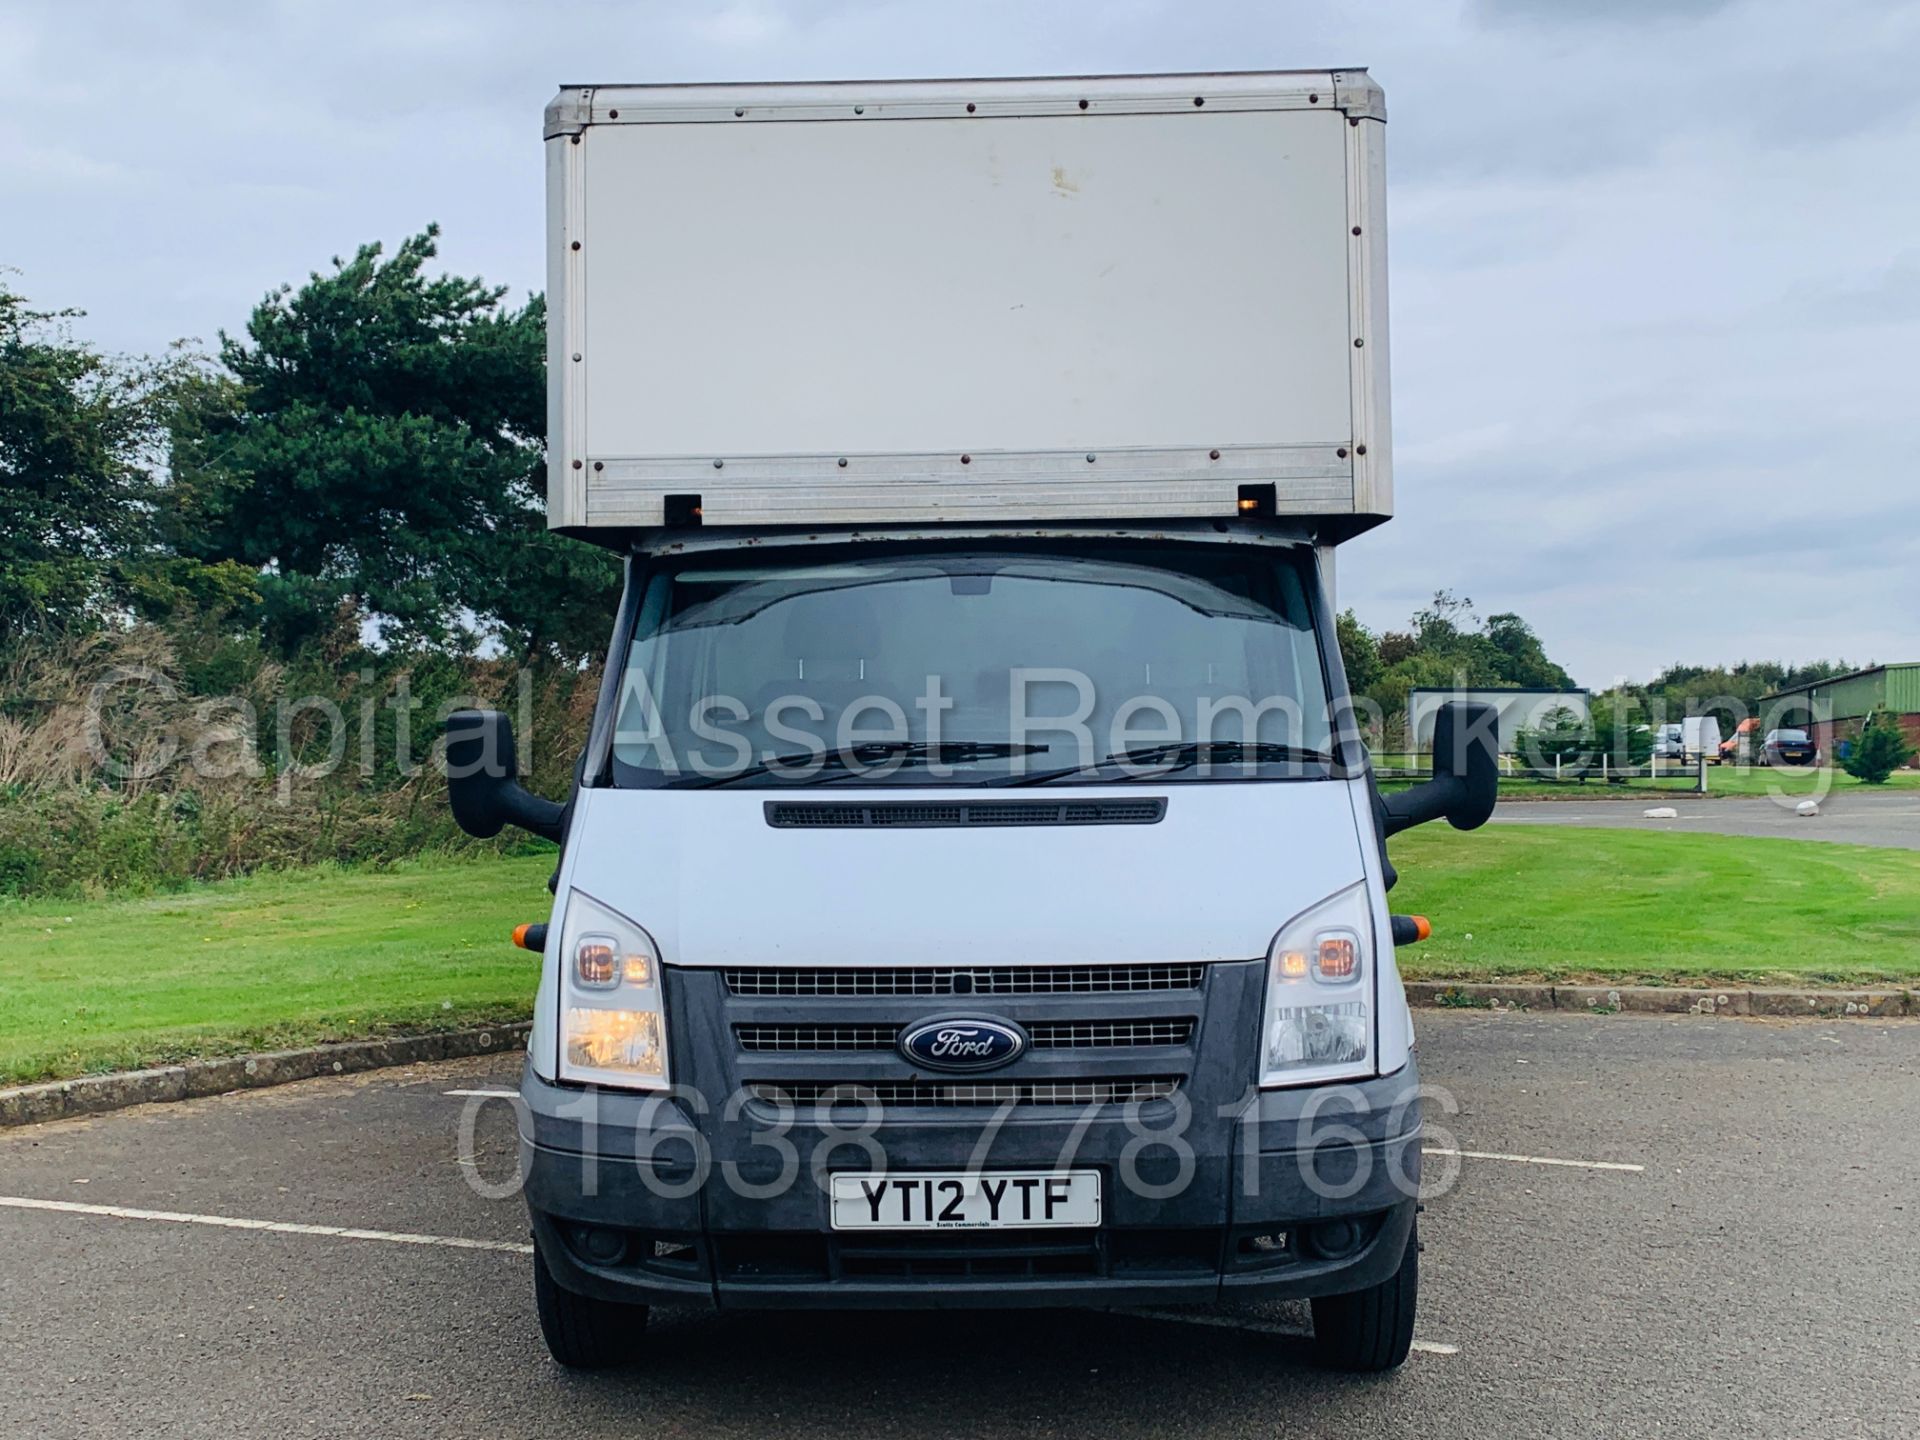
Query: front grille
[1046,1035]
[946,1093]
[762,1258]
[995,980]
[961,1256]
[808,1038]
[1108,1034]
[828,814]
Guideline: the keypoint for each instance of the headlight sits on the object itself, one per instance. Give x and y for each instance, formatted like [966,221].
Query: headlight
[1319,1023]
[613,1027]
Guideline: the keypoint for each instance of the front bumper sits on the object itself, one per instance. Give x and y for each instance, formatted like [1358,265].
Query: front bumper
[701,1212]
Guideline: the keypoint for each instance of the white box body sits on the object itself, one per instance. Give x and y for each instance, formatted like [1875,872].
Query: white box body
[996,300]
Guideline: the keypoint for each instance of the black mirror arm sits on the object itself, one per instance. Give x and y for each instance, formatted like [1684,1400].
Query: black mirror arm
[1466,776]
[520,806]
[1416,806]
[485,809]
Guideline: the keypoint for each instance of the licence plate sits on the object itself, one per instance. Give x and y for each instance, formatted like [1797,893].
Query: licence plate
[990,1200]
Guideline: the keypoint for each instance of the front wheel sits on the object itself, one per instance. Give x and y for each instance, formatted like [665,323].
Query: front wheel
[1371,1329]
[581,1332]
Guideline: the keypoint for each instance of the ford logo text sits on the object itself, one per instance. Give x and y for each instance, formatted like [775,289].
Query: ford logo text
[964,1044]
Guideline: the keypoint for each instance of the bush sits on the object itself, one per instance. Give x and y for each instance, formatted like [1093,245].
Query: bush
[1568,748]
[1881,749]
[180,773]
[1561,744]
[1625,741]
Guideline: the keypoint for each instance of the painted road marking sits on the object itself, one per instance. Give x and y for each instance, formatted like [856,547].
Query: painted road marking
[1536,1160]
[486,1094]
[1263,1327]
[278,1227]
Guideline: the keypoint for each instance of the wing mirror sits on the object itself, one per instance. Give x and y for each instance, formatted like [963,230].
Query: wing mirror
[483,779]
[1466,773]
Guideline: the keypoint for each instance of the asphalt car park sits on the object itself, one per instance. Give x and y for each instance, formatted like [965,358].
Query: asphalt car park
[1638,1226]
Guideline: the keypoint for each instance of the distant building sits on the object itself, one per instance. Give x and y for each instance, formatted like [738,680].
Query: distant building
[1519,710]
[1833,710]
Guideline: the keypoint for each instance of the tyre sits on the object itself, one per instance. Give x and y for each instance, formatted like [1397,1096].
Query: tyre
[581,1332]
[1371,1329]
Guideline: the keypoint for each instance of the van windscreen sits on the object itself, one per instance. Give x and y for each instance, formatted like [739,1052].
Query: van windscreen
[940,665]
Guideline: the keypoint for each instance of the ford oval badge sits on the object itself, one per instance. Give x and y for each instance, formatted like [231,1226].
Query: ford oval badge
[962,1044]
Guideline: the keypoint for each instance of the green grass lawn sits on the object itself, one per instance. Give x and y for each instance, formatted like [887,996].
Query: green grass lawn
[1523,787]
[1794,780]
[264,963]
[1533,902]
[282,960]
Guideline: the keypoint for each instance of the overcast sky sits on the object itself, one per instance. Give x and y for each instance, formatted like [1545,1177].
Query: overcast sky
[1655,263]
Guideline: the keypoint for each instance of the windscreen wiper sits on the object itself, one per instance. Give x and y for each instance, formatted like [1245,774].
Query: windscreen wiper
[1182,755]
[867,756]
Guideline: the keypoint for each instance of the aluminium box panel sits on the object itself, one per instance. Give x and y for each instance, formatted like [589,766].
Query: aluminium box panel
[863,303]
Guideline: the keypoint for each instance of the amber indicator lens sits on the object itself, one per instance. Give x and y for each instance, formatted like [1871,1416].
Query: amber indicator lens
[1339,957]
[594,963]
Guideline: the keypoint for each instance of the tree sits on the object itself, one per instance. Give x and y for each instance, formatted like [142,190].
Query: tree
[1397,647]
[1443,625]
[1728,693]
[80,437]
[1560,740]
[1880,749]
[1618,733]
[1520,657]
[1359,652]
[1444,645]
[377,441]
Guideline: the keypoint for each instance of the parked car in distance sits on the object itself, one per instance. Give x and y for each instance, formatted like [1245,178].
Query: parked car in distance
[1669,743]
[1788,747]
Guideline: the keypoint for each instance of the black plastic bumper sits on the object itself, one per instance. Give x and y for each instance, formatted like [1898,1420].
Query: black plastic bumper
[620,1209]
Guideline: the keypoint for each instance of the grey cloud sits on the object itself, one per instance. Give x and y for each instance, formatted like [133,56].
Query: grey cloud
[1637,14]
[1650,261]
[1889,296]
[1560,90]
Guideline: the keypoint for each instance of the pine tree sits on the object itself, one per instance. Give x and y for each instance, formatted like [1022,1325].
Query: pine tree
[377,442]
[1880,749]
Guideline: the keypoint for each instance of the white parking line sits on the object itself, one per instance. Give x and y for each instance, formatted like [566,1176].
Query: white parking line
[278,1227]
[455,1242]
[1536,1160]
[1263,1327]
[486,1094]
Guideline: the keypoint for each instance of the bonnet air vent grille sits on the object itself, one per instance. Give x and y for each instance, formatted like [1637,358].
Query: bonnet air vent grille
[824,815]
